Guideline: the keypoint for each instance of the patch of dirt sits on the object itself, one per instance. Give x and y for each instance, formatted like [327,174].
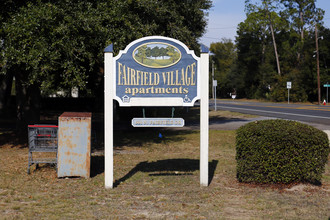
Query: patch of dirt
[304,187]
[292,187]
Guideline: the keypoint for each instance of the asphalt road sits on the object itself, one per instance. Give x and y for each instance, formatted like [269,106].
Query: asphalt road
[310,114]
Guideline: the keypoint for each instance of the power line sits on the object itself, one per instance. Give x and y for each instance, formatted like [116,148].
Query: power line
[223,27]
[215,38]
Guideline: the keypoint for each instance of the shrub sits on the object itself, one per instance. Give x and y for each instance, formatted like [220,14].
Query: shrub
[280,151]
[278,94]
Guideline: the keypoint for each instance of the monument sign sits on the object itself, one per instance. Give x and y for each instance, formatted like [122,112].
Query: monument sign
[155,71]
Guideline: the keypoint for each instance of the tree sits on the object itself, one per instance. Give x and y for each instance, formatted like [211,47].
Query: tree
[278,36]
[324,50]
[142,53]
[252,54]
[47,46]
[155,52]
[7,7]
[163,52]
[224,59]
[148,52]
[52,45]
[301,14]
[172,53]
[268,10]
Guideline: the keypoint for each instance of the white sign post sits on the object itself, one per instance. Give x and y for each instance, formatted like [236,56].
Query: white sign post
[134,79]
[288,86]
[215,84]
[108,116]
[204,120]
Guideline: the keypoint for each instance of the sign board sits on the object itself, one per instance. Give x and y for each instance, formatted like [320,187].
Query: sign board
[157,122]
[215,83]
[326,85]
[156,71]
[288,85]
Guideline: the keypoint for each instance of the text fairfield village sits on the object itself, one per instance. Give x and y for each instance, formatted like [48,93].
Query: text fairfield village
[172,82]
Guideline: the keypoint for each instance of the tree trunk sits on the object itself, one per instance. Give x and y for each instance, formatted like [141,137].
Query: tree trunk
[302,36]
[5,92]
[27,103]
[275,48]
[301,14]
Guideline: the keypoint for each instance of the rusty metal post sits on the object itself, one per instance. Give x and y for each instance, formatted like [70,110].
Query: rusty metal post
[74,144]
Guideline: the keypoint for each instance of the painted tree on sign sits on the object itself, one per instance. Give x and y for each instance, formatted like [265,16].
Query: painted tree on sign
[155,52]
[142,53]
[163,52]
[171,52]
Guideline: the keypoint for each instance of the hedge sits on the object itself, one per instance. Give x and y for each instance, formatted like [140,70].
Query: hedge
[280,151]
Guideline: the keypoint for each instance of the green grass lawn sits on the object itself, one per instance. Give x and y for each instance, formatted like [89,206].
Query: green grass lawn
[154,179]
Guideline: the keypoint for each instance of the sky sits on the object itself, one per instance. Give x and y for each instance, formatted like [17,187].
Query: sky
[225,15]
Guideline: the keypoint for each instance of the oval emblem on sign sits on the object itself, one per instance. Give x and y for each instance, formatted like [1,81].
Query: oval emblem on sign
[157,55]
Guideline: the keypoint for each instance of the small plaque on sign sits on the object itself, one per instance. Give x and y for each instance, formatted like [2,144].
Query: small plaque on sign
[157,122]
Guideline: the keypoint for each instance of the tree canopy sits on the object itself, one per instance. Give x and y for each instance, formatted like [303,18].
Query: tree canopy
[58,44]
[276,44]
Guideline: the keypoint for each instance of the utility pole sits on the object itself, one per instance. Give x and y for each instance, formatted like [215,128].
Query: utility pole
[212,78]
[317,67]
[273,37]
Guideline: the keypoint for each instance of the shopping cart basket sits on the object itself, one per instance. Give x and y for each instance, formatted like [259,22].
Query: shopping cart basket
[42,141]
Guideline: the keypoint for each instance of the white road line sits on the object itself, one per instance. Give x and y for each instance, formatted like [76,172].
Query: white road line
[255,110]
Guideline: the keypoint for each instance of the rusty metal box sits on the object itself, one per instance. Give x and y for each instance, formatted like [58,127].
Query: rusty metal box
[74,144]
